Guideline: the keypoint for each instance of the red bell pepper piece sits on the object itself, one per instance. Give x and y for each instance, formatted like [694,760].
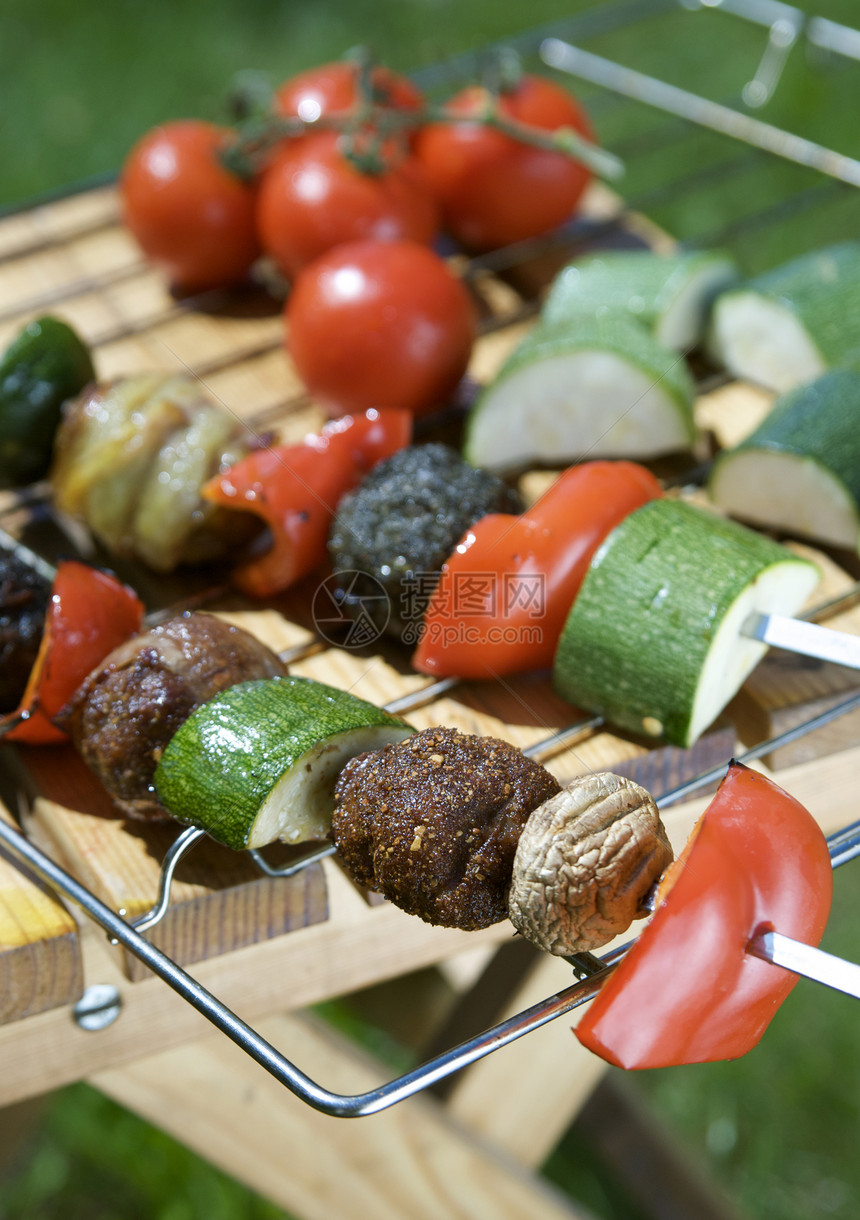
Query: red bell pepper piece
[296,489]
[90,613]
[687,991]
[504,594]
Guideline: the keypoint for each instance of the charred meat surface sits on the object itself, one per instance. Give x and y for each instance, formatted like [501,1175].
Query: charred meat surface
[24,598]
[126,711]
[433,823]
[400,526]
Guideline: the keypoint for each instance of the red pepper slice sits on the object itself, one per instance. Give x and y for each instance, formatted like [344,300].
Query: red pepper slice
[296,489]
[505,593]
[687,991]
[90,613]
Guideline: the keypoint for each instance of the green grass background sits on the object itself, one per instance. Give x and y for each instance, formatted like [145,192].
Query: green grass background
[80,82]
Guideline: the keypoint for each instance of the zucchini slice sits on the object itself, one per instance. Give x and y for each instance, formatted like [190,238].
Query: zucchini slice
[594,388]
[45,364]
[793,323]
[259,762]
[799,471]
[670,294]
[654,641]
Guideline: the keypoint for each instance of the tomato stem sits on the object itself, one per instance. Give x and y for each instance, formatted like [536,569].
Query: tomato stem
[364,150]
[563,140]
[257,136]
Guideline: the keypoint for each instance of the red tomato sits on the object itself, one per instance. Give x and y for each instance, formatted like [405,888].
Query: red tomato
[189,215]
[494,189]
[313,197]
[687,991]
[331,88]
[380,324]
[296,490]
[504,594]
[90,614]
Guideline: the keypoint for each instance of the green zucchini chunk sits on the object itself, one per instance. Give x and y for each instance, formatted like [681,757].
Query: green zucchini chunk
[799,471]
[259,762]
[43,366]
[595,388]
[669,294]
[792,323]
[654,642]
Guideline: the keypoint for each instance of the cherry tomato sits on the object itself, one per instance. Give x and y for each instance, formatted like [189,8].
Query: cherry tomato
[190,216]
[332,87]
[494,189]
[90,614]
[296,490]
[380,324]
[313,197]
[504,594]
[688,991]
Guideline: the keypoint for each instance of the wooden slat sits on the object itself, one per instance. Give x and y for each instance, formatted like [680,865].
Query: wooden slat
[49,223]
[554,1076]
[40,952]
[220,901]
[413,1162]
[359,945]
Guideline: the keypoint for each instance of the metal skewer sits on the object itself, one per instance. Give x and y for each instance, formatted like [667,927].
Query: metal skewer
[309,1091]
[183,844]
[812,963]
[658,93]
[806,638]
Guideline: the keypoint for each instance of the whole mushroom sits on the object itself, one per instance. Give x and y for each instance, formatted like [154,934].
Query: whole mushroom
[585,862]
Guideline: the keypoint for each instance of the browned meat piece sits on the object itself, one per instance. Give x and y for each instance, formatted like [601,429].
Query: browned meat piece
[126,711]
[433,822]
[24,596]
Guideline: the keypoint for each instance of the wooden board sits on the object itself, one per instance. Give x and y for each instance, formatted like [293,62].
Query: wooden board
[40,952]
[417,1161]
[71,257]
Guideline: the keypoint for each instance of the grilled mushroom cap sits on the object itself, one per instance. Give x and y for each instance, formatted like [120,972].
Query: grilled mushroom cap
[585,861]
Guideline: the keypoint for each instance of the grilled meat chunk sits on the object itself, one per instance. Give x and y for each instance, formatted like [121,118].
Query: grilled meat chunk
[433,823]
[400,525]
[126,711]
[24,598]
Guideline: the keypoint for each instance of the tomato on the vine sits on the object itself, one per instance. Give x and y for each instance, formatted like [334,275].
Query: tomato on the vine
[494,189]
[190,215]
[315,194]
[380,324]
[331,88]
